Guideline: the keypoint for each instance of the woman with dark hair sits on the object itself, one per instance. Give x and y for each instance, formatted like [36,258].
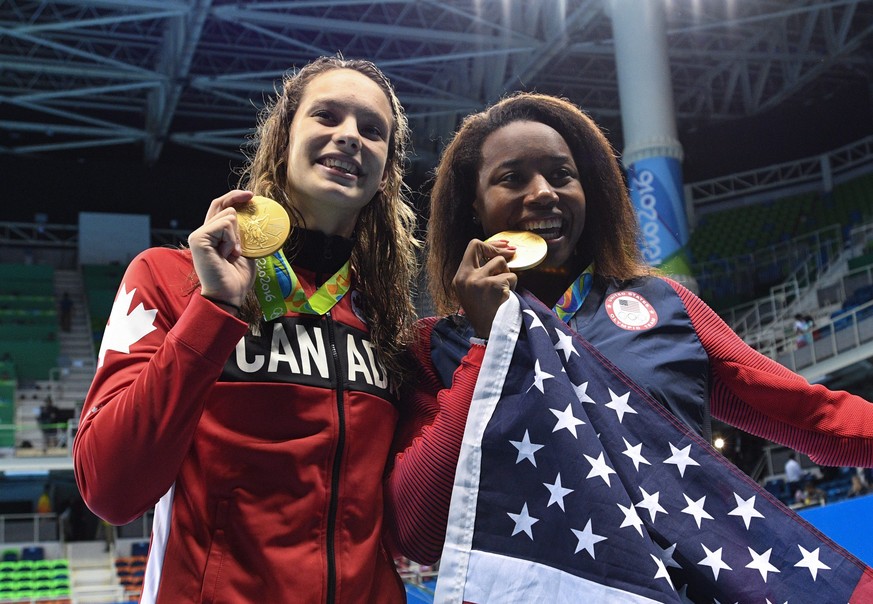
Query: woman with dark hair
[262,443]
[537,163]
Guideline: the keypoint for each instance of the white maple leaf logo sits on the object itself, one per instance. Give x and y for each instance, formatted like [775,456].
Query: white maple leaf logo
[125,327]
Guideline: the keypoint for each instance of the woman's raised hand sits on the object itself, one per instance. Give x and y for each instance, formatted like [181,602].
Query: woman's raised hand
[483,282]
[215,247]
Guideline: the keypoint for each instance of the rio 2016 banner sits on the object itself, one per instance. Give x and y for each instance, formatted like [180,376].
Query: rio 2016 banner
[656,191]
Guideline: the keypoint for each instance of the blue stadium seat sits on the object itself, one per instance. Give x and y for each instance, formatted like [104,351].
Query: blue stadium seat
[33,552]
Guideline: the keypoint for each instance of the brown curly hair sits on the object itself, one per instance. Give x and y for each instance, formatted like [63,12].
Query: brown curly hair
[384,260]
[611,235]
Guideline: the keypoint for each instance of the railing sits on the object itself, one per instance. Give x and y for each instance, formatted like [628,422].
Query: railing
[24,447]
[845,334]
[26,528]
[813,255]
[781,338]
[141,528]
[66,236]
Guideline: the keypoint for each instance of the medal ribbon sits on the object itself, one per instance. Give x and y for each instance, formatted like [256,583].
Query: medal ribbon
[575,295]
[279,291]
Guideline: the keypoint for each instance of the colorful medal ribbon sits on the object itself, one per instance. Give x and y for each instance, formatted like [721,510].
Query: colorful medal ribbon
[575,295]
[279,291]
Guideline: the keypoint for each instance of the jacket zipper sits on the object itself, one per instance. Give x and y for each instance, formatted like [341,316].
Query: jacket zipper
[337,464]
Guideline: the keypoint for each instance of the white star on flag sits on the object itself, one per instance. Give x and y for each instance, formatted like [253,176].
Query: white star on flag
[599,468]
[631,518]
[557,492]
[540,376]
[635,453]
[535,321]
[695,508]
[662,570]
[619,404]
[526,449]
[667,556]
[582,393]
[650,502]
[565,345]
[713,561]
[587,539]
[746,509]
[523,522]
[566,420]
[710,533]
[761,563]
[811,562]
[681,459]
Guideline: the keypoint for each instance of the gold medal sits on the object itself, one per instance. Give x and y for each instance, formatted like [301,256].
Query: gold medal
[530,248]
[263,227]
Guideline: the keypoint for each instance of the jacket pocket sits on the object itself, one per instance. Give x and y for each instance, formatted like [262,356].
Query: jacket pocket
[212,573]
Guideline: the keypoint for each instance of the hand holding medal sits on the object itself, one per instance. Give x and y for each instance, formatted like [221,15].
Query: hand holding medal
[482,286]
[530,249]
[263,227]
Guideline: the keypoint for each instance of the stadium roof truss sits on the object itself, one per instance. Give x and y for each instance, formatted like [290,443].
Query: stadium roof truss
[131,76]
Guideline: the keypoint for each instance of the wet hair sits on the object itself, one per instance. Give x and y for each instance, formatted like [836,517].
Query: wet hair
[384,261]
[611,235]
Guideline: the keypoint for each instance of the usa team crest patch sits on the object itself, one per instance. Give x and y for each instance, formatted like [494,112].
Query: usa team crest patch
[631,311]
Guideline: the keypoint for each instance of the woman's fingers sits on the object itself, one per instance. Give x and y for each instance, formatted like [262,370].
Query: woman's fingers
[219,232]
[228,200]
[217,253]
[483,282]
[220,226]
[479,253]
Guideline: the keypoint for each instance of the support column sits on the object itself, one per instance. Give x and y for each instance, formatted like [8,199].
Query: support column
[652,154]
[827,175]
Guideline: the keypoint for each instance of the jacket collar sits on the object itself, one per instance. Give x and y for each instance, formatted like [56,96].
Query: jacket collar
[317,252]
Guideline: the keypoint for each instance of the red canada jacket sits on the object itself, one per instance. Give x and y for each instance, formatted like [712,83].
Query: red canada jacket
[262,453]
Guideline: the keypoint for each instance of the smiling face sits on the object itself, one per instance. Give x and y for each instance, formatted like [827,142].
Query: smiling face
[528,181]
[338,149]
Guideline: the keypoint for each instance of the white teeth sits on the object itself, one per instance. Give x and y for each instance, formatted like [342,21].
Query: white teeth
[345,166]
[539,225]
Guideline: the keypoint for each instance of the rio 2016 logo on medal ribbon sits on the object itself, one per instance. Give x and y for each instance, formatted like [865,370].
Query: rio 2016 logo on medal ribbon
[656,191]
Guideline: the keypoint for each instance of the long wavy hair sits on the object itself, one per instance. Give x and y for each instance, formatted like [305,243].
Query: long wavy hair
[384,260]
[611,235]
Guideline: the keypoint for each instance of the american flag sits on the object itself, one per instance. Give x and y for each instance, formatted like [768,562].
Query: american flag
[629,305]
[574,485]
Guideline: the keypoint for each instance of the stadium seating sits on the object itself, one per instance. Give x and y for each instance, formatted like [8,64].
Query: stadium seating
[31,579]
[101,284]
[28,319]
[723,236]
[131,571]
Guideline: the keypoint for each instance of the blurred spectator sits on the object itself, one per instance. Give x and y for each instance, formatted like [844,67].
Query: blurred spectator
[48,419]
[66,308]
[803,325]
[858,487]
[793,472]
[810,494]
[44,503]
